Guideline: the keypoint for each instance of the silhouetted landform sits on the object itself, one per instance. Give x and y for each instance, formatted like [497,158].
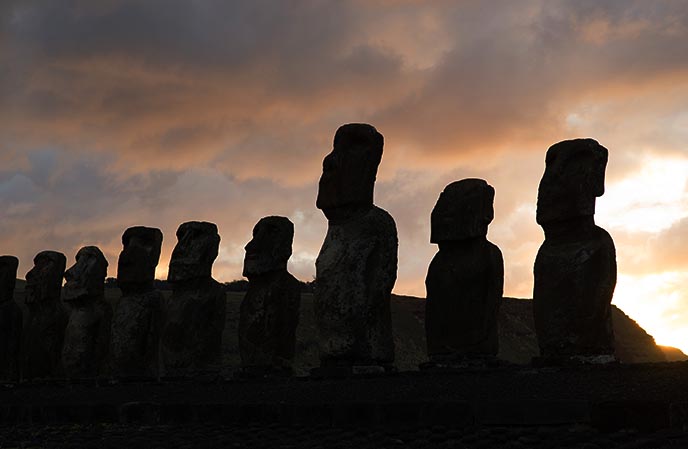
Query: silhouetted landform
[87,336]
[673,354]
[575,268]
[10,320]
[465,279]
[137,319]
[194,314]
[46,317]
[269,312]
[357,265]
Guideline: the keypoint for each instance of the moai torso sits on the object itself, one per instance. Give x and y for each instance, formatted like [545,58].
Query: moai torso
[465,278]
[269,312]
[194,316]
[357,265]
[575,269]
[47,317]
[10,320]
[87,336]
[134,346]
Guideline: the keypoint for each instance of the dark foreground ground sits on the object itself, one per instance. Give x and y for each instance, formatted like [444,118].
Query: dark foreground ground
[513,407]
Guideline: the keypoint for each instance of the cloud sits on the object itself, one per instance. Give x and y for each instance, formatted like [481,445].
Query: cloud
[122,113]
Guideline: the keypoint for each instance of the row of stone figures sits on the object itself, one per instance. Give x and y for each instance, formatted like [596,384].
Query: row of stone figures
[145,334]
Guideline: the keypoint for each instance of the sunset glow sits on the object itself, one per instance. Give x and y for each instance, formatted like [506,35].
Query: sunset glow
[123,113]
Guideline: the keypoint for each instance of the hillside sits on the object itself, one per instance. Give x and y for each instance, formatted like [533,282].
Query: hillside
[516,333]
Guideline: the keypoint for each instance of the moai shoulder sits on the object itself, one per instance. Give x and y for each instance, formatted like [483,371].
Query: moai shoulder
[47,317]
[465,278]
[194,316]
[269,312]
[10,320]
[357,265]
[136,323]
[575,269]
[87,336]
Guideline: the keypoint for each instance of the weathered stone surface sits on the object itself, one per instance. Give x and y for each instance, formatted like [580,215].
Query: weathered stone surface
[270,310]
[575,269]
[136,323]
[194,316]
[47,316]
[357,265]
[87,336]
[10,320]
[465,278]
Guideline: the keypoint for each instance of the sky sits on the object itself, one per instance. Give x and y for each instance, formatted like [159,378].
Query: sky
[120,113]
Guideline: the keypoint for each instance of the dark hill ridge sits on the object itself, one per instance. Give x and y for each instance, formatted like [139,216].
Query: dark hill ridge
[516,333]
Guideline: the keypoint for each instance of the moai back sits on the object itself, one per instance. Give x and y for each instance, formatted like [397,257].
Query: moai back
[194,316]
[269,311]
[357,265]
[47,317]
[87,336]
[575,269]
[465,278]
[136,322]
[10,320]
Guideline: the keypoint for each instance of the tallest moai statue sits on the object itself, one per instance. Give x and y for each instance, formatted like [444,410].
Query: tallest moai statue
[575,269]
[357,265]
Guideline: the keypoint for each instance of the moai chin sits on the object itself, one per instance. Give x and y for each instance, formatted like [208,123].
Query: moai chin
[47,316]
[134,346]
[10,320]
[357,265]
[575,269]
[269,312]
[87,336]
[194,316]
[465,278]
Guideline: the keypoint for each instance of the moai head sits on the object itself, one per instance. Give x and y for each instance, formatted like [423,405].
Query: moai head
[270,248]
[138,259]
[44,280]
[8,277]
[86,278]
[349,171]
[574,177]
[463,210]
[197,246]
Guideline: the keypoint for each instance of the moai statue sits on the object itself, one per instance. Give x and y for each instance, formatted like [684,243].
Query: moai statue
[575,269]
[357,265]
[136,322]
[195,314]
[87,337]
[465,279]
[270,310]
[47,316]
[10,320]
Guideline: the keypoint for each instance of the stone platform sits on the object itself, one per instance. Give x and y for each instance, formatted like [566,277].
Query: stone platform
[647,397]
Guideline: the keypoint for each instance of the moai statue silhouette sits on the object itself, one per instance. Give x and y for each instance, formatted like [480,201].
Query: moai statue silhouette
[357,265]
[134,347]
[47,317]
[269,312]
[465,279]
[10,320]
[194,316]
[575,269]
[87,337]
